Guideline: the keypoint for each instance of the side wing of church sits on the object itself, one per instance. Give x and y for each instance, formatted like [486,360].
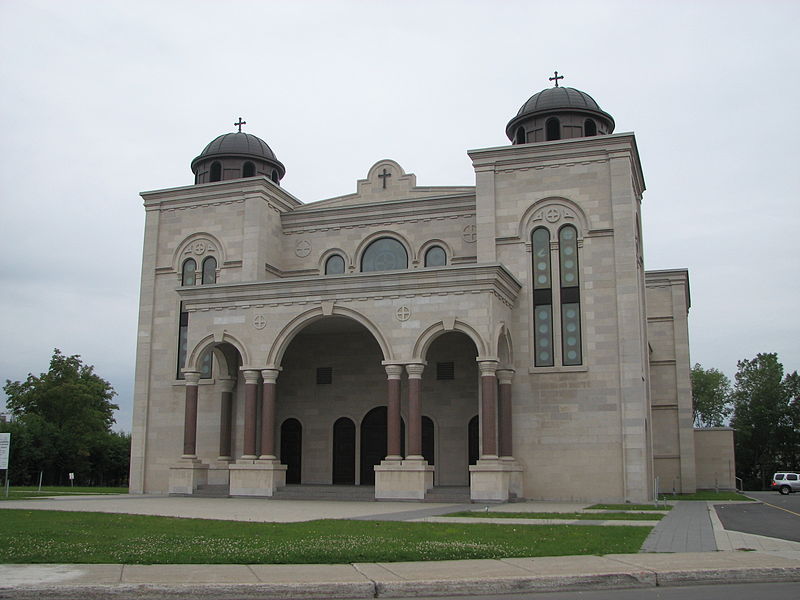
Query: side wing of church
[502,338]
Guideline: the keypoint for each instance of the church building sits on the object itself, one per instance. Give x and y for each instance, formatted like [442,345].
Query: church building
[501,338]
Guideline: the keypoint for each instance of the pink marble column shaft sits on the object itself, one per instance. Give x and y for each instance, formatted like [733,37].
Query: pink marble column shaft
[504,377]
[415,410]
[190,415]
[268,414]
[393,373]
[488,408]
[250,410]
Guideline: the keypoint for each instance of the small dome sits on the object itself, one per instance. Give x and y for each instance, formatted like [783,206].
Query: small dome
[566,103]
[238,155]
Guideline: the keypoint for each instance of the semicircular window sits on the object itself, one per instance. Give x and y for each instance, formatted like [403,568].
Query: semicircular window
[334,265]
[384,254]
[435,257]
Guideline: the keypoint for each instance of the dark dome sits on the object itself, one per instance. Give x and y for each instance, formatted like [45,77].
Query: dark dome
[559,102]
[237,144]
[232,151]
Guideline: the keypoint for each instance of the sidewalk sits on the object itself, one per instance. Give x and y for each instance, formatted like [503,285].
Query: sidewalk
[691,534]
[396,580]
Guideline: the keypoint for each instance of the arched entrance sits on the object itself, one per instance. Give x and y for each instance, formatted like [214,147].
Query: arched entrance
[373,442]
[344,452]
[292,449]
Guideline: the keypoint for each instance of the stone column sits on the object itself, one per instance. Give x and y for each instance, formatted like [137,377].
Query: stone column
[190,415]
[415,411]
[268,414]
[504,377]
[488,408]
[250,402]
[226,418]
[393,373]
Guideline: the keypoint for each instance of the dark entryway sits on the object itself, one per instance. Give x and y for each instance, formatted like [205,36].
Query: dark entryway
[292,449]
[472,440]
[344,452]
[428,448]
[373,442]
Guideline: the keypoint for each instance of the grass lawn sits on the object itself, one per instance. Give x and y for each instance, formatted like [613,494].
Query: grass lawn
[609,516]
[629,507]
[34,536]
[706,496]
[25,492]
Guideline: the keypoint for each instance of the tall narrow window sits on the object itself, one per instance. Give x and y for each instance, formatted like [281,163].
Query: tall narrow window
[520,136]
[248,169]
[570,296]
[553,129]
[334,265]
[589,128]
[384,254]
[183,332]
[206,364]
[435,257]
[209,270]
[274,176]
[542,298]
[216,172]
[189,272]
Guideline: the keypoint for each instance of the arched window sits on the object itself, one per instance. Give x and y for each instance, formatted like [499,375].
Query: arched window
[274,176]
[189,272]
[542,298]
[589,128]
[248,169]
[553,129]
[435,257]
[216,172]
[570,296]
[519,138]
[334,265]
[384,254]
[210,270]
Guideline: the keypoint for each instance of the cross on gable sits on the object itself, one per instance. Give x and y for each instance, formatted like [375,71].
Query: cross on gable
[556,78]
[240,123]
[383,176]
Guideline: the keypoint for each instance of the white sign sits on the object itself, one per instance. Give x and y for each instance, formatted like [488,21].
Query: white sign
[71,476]
[5,444]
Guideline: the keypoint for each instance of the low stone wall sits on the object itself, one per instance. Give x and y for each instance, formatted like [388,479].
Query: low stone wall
[715,465]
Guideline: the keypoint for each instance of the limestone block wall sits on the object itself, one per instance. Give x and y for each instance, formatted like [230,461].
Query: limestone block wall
[670,386]
[715,461]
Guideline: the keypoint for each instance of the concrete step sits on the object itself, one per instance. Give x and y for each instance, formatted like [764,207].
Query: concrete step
[212,491]
[448,495]
[360,493]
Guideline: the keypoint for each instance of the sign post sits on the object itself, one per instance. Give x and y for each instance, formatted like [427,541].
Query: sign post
[5,447]
[72,479]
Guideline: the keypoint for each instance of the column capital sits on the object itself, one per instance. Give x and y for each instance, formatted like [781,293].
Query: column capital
[488,367]
[393,371]
[226,384]
[270,375]
[415,370]
[504,376]
[191,377]
[250,375]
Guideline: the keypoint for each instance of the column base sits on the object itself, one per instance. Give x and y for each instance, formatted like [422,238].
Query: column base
[403,479]
[256,477]
[495,480]
[186,476]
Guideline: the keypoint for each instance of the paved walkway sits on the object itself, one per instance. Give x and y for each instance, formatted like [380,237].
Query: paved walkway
[680,551]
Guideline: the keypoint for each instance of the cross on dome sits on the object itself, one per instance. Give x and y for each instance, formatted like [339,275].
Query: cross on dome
[240,123]
[556,78]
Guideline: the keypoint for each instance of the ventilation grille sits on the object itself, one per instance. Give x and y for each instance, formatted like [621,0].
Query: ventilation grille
[324,375]
[445,370]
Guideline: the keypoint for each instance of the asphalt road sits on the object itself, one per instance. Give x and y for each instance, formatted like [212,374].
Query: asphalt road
[744,591]
[777,517]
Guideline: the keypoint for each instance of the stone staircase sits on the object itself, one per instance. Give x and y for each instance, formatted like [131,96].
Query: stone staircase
[449,495]
[355,493]
[212,491]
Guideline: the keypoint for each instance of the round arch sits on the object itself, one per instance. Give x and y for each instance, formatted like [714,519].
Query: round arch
[323,258]
[298,323]
[211,246]
[566,209]
[214,341]
[420,257]
[364,244]
[426,338]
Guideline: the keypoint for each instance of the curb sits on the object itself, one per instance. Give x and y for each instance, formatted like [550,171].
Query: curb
[639,578]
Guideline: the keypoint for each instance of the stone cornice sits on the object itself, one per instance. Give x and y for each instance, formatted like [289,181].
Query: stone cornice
[668,277]
[562,153]
[309,217]
[445,281]
[220,192]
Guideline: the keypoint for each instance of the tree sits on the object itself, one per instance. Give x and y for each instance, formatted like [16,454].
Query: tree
[711,391]
[62,420]
[766,418]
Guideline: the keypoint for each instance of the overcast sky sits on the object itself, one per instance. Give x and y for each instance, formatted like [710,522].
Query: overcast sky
[102,100]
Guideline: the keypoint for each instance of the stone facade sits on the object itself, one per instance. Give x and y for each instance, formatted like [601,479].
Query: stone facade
[406,375]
